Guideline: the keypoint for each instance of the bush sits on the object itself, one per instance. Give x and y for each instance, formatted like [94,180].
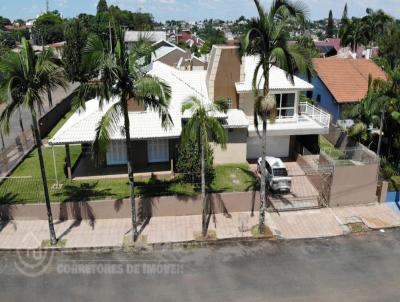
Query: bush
[387,169]
[189,163]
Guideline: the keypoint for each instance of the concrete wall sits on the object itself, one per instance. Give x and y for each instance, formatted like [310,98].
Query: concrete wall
[327,100]
[246,103]
[51,118]
[156,207]
[352,185]
[222,74]
[236,147]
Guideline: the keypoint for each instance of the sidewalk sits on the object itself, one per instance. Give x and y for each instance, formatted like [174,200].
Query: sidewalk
[111,232]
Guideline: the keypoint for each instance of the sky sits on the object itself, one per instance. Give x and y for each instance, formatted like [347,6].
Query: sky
[190,10]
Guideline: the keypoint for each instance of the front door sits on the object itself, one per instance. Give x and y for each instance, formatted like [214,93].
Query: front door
[158,150]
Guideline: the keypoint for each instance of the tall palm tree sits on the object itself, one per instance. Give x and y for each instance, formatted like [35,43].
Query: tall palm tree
[355,33]
[201,127]
[121,75]
[268,38]
[27,77]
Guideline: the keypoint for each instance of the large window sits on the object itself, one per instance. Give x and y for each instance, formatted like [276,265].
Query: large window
[285,104]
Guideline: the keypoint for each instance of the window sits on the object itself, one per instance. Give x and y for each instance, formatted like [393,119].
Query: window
[318,98]
[285,105]
[229,102]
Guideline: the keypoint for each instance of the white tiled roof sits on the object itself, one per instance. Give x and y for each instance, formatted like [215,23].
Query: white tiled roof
[154,36]
[81,127]
[278,79]
[236,119]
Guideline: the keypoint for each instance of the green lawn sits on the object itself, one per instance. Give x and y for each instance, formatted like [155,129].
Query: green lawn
[329,149]
[25,185]
[57,127]
[233,178]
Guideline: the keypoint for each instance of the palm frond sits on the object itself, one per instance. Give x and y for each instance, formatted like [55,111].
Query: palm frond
[106,127]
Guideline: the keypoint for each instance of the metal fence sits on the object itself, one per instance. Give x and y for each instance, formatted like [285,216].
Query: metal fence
[12,154]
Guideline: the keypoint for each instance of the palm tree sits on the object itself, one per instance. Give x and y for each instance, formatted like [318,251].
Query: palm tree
[27,77]
[355,33]
[121,76]
[268,38]
[201,127]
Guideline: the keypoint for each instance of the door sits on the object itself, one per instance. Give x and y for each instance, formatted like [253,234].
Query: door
[277,146]
[158,151]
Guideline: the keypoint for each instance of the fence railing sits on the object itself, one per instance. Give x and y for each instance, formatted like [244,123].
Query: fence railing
[11,155]
[320,116]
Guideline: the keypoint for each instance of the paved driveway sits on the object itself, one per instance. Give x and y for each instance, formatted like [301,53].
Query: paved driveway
[302,195]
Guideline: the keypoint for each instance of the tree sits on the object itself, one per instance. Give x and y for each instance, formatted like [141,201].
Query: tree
[344,21]
[102,7]
[355,34]
[189,162]
[49,28]
[4,22]
[377,24]
[27,77]
[330,29]
[268,39]
[121,76]
[383,97]
[202,126]
[75,37]
[389,45]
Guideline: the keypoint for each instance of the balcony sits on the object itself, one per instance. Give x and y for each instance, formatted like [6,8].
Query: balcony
[310,120]
[316,114]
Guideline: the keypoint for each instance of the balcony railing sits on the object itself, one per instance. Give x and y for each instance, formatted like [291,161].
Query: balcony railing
[318,115]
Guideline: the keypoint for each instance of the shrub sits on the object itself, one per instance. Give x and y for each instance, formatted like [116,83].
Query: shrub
[189,163]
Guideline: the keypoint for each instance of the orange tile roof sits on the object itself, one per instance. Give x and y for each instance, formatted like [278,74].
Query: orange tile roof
[347,79]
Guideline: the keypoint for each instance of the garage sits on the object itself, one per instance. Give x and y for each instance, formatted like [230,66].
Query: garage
[277,146]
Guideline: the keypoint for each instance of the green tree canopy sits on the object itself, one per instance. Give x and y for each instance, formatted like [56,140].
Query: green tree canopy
[76,36]
[49,28]
[330,29]
[102,7]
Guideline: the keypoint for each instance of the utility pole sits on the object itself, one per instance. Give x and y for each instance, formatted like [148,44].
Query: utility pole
[381,131]
[47,6]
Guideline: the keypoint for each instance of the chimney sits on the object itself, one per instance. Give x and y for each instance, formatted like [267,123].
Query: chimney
[223,72]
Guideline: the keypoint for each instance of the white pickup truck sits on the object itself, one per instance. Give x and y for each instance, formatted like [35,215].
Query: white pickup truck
[276,174]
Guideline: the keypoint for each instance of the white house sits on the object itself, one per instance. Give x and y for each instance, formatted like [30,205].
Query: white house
[297,123]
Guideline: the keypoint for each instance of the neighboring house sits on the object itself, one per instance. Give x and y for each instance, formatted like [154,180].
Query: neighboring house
[172,55]
[132,37]
[297,124]
[57,48]
[186,36]
[328,47]
[342,81]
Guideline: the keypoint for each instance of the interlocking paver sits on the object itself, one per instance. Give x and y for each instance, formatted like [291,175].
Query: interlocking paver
[307,224]
[375,216]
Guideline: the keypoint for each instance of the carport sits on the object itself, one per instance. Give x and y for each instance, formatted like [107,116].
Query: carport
[310,185]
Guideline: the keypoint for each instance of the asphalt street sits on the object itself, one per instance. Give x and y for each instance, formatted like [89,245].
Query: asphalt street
[354,268]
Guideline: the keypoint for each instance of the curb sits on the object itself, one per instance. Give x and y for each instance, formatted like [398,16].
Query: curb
[185,244]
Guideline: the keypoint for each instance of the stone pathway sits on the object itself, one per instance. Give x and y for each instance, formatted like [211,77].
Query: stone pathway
[29,234]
